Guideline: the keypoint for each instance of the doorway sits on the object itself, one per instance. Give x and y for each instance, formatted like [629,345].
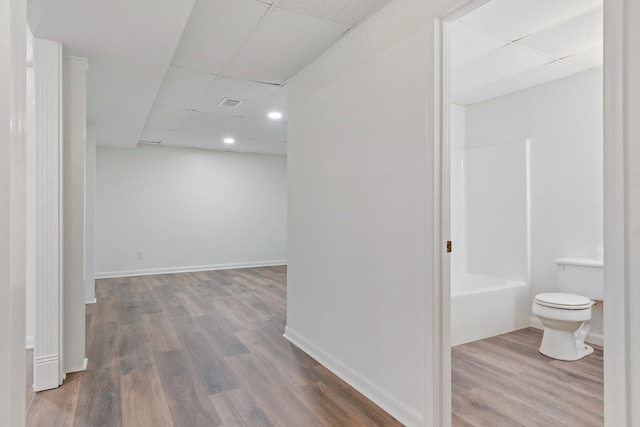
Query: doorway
[447,179]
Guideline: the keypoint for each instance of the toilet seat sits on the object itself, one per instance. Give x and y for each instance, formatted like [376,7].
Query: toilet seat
[563,301]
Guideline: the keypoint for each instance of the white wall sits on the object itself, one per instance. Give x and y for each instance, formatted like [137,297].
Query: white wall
[185,209]
[358,189]
[12,211]
[350,61]
[563,119]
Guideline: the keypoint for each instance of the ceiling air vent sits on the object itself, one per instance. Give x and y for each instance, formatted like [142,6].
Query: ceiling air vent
[229,103]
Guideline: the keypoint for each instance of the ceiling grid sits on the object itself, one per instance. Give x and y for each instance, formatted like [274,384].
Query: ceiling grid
[159,77]
[510,45]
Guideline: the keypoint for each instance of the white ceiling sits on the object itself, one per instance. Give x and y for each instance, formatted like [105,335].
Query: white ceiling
[509,45]
[158,69]
[128,50]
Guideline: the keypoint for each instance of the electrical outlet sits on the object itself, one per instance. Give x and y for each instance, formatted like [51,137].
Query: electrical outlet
[139,254]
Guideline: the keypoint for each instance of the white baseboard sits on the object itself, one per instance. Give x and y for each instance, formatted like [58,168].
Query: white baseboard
[597,339]
[188,269]
[93,301]
[79,368]
[46,372]
[393,406]
[29,341]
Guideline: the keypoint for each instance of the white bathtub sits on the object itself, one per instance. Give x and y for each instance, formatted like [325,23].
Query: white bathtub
[482,307]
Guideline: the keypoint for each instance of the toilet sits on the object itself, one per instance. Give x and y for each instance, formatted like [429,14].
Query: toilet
[566,315]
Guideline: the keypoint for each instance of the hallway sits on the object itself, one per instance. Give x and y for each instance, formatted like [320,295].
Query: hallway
[198,349]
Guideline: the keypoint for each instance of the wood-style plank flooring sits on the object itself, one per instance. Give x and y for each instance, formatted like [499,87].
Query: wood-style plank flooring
[206,349]
[505,381]
[195,350]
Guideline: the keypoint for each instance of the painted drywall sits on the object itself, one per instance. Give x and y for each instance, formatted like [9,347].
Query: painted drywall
[90,215]
[73,154]
[358,190]
[186,209]
[563,119]
[12,211]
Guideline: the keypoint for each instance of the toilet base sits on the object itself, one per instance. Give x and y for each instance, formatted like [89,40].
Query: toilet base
[563,345]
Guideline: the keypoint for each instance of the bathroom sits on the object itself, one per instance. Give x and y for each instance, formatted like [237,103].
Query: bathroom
[526,159]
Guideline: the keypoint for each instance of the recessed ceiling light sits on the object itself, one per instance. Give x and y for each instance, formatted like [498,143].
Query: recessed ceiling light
[275,115]
[228,140]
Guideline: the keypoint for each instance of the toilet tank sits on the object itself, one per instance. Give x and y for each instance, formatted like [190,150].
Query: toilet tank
[581,276]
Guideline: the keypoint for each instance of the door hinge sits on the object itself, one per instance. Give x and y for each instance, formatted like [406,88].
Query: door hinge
[449,246]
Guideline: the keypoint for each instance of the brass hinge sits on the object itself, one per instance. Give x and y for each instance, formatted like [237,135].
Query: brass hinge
[449,247]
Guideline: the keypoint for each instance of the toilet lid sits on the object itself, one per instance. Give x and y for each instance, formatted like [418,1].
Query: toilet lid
[564,301]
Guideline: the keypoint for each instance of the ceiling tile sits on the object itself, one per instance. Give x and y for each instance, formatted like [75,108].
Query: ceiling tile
[237,127]
[467,44]
[153,134]
[261,129]
[514,19]
[200,122]
[260,147]
[128,44]
[277,102]
[187,139]
[250,93]
[166,117]
[184,139]
[496,65]
[182,87]
[529,78]
[284,43]
[215,31]
[348,13]
[569,37]
[587,58]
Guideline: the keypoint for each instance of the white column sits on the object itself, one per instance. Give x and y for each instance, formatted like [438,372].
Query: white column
[74,155]
[48,145]
[31,203]
[12,210]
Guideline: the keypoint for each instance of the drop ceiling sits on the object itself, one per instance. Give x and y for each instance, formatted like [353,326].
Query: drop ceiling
[509,45]
[158,70]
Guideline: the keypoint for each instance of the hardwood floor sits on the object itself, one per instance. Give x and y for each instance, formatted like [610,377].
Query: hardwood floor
[206,349]
[505,381]
[195,350]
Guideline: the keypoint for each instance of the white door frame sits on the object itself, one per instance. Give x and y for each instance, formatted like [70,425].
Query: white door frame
[616,363]
[616,397]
